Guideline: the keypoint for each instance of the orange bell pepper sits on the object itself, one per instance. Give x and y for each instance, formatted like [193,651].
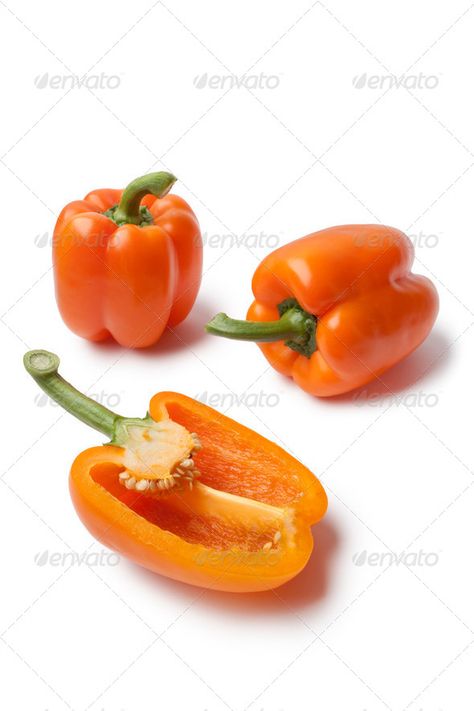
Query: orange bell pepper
[127,263]
[336,309]
[189,493]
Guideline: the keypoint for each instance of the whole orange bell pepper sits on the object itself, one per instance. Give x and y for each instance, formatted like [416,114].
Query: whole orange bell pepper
[189,493]
[127,263]
[336,309]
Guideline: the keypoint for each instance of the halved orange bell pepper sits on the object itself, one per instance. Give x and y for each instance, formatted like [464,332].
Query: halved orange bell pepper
[127,263]
[189,493]
[336,309]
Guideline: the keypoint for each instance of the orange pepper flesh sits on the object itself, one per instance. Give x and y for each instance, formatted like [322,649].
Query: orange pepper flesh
[244,525]
[128,281]
[370,311]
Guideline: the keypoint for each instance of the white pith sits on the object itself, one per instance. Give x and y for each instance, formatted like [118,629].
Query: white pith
[159,457]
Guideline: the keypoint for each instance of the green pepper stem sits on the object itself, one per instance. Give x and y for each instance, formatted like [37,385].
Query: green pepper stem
[128,210]
[295,326]
[43,367]
[291,324]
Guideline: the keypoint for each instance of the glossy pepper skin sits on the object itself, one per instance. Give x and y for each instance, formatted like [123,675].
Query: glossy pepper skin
[356,307]
[243,525]
[127,264]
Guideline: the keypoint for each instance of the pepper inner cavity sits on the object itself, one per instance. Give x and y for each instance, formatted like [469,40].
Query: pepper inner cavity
[253,525]
[206,516]
[215,519]
[158,462]
[159,458]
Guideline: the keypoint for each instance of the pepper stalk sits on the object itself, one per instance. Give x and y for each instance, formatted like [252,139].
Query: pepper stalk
[129,211]
[158,455]
[295,326]
[43,368]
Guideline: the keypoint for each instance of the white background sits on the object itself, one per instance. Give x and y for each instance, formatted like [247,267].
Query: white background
[382,617]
